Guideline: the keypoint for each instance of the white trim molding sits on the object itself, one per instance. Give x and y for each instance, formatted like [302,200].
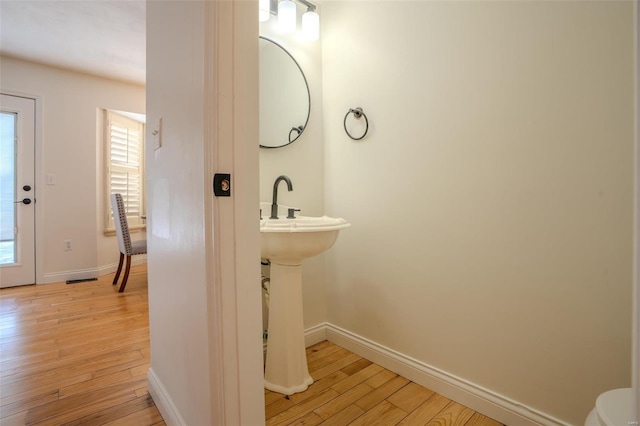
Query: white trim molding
[113,267]
[312,335]
[161,398]
[472,395]
[79,274]
[315,334]
[232,237]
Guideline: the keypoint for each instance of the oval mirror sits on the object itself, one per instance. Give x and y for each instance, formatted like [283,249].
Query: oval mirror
[285,102]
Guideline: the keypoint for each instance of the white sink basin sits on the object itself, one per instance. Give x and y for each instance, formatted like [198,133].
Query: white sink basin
[288,241]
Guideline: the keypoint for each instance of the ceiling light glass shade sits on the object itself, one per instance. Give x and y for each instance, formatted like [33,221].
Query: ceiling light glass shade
[264,12]
[287,16]
[311,25]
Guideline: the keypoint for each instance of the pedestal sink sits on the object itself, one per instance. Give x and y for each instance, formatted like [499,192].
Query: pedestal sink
[286,242]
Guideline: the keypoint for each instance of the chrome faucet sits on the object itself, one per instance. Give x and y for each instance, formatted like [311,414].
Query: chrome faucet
[274,203]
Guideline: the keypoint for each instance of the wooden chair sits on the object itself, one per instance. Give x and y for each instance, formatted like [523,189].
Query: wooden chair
[127,247]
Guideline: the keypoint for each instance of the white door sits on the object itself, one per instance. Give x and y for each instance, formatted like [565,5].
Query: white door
[17,191]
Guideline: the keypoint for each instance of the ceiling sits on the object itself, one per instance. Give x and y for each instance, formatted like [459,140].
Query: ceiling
[101,37]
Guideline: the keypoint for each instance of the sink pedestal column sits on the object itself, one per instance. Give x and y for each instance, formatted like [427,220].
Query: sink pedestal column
[286,369]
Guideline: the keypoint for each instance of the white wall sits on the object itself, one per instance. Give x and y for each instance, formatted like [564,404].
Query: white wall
[72,151]
[492,200]
[303,162]
[176,261]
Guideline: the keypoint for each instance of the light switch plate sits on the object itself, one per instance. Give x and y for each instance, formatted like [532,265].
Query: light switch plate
[156,133]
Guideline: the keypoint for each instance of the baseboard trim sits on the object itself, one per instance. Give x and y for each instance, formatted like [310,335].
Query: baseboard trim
[312,335]
[315,334]
[161,398]
[78,274]
[113,267]
[474,396]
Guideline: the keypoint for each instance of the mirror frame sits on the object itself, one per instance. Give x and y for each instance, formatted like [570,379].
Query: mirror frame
[306,83]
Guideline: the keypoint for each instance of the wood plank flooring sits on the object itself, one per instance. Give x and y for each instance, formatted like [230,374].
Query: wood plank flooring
[350,390]
[78,354]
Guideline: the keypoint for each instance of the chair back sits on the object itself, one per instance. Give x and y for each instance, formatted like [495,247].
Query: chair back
[122,226]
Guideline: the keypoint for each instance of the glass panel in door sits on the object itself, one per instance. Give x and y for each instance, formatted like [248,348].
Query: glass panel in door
[7,188]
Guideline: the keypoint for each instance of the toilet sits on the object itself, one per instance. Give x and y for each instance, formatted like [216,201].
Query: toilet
[613,408]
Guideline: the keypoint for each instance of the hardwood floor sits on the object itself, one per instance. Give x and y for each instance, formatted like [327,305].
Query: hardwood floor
[78,354]
[350,390]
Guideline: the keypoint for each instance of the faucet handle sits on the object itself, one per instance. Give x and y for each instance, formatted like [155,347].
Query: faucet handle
[291,214]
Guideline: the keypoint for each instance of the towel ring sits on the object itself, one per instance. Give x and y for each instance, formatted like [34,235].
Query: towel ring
[357,114]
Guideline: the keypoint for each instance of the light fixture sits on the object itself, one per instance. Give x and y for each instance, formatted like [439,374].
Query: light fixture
[287,16]
[286,12]
[311,25]
[264,10]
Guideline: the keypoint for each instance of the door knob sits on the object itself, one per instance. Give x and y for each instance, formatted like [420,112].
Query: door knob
[23,201]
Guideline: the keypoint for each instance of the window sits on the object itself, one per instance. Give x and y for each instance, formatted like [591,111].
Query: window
[124,154]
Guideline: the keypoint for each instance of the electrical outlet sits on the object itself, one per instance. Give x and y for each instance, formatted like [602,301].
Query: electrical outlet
[67,245]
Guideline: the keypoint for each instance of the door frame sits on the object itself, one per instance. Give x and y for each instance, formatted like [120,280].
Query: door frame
[231,227]
[38,193]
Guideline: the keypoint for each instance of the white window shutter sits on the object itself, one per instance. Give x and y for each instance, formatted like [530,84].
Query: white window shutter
[125,154]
